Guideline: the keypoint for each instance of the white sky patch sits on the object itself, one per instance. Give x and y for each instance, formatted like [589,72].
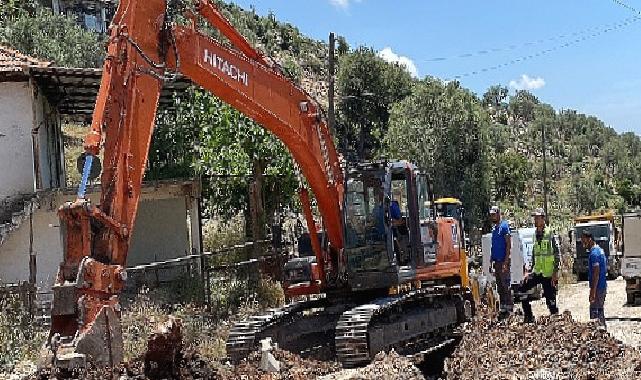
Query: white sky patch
[343,4]
[527,83]
[388,55]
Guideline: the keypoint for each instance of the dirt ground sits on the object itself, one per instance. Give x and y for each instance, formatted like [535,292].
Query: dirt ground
[574,297]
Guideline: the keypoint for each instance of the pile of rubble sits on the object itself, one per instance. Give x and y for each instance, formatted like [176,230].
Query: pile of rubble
[555,347]
[191,366]
[276,365]
[385,366]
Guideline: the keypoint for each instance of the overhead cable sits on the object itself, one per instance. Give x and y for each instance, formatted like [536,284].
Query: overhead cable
[529,43]
[627,6]
[549,50]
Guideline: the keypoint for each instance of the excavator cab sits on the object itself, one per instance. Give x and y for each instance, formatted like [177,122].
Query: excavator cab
[383,243]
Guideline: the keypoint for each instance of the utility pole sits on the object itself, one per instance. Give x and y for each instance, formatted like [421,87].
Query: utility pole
[330,92]
[545,181]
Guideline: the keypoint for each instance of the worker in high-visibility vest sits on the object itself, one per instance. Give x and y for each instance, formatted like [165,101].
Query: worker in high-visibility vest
[545,266]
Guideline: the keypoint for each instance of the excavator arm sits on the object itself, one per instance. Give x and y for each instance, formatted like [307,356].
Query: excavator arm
[145,49]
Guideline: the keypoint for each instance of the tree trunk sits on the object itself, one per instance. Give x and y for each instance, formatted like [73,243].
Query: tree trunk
[361,143]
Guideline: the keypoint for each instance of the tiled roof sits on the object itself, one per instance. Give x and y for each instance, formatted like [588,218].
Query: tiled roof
[12,60]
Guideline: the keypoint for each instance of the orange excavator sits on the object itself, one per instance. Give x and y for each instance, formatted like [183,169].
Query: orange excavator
[389,271]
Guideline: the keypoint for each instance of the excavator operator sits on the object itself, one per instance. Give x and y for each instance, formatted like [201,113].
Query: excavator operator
[399,228]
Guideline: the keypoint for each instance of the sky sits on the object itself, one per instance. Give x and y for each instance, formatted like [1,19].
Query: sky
[519,44]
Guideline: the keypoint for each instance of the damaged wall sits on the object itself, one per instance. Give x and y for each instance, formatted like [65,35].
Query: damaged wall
[161,232]
[16,157]
[23,111]
[157,236]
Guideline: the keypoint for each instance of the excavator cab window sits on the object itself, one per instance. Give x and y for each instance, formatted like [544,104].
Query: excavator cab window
[367,223]
[424,204]
[449,210]
[365,212]
[399,211]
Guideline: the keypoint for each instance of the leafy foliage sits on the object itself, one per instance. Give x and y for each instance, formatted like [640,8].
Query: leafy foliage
[522,105]
[12,9]
[590,167]
[206,136]
[443,128]
[52,37]
[237,146]
[368,86]
[511,175]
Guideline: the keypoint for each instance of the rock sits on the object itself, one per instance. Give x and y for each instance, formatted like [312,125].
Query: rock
[268,362]
[385,366]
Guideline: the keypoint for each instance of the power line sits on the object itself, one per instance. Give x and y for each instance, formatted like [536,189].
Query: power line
[526,44]
[550,50]
[627,6]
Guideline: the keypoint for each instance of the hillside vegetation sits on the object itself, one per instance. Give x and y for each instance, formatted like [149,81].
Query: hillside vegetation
[483,148]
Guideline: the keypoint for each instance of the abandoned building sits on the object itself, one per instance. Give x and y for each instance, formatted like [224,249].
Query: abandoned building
[35,100]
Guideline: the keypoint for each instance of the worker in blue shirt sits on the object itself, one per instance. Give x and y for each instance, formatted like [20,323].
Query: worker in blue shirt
[597,270]
[500,260]
[395,211]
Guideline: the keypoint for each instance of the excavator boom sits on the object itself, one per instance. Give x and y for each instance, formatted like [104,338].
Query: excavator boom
[376,268]
[144,50]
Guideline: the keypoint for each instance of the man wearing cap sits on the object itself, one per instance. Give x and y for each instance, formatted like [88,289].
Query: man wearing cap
[597,269]
[545,266]
[500,260]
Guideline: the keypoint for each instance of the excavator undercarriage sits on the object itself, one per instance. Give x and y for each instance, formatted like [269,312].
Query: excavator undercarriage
[354,330]
[403,283]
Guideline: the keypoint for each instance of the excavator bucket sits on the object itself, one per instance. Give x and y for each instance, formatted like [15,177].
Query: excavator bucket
[85,314]
[100,343]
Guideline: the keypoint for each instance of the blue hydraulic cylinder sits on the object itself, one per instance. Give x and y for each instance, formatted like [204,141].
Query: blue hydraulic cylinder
[82,190]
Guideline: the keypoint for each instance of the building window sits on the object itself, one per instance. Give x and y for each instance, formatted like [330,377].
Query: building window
[91,23]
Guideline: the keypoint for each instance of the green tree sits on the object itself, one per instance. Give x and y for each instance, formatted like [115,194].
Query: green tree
[12,9]
[494,101]
[589,193]
[53,37]
[522,105]
[511,174]
[342,47]
[368,86]
[205,136]
[443,128]
[495,96]
[630,192]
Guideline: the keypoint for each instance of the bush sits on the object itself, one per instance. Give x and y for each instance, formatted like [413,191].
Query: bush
[53,37]
[138,320]
[20,337]
[218,234]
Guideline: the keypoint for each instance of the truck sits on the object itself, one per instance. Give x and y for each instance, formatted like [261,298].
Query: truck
[605,234]
[631,259]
